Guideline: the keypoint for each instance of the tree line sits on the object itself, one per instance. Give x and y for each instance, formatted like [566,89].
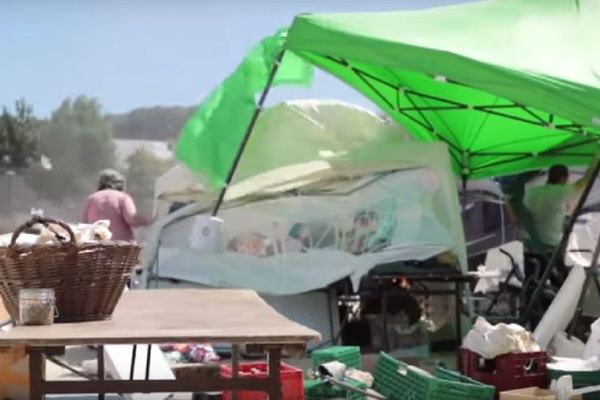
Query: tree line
[60,157]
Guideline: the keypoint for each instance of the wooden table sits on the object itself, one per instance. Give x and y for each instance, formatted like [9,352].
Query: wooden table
[239,317]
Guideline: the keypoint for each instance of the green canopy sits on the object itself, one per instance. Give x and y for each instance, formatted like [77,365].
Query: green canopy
[509,85]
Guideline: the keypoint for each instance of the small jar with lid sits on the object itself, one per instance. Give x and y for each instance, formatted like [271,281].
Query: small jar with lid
[36,306]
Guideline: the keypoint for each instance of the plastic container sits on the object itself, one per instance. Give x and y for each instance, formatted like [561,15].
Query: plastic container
[398,381]
[452,385]
[506,372]
[36,306]
[580,379]
[348,355]
[292,381]
[316,389]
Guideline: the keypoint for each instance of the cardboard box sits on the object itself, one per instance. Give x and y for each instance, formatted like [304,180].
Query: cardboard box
[531,393]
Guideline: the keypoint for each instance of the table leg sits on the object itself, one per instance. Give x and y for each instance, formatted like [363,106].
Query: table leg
[133,358]
[457,311]
[235,366]
[384,315]
[274,379]
[101,374]
[36,374]
[148,362]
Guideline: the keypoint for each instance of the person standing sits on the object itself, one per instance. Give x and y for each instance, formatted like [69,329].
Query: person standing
[549,204]
[110,202]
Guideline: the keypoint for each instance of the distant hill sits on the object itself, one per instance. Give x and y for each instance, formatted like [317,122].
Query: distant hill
[154,123]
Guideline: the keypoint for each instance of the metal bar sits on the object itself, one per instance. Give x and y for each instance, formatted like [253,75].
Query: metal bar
[133,358]
[589,274]
[384,316]
[432,108]
[525,155]
[148,362]
[235,366]
[557,251]
[481,108]
[36,374]
[534,115]
[274,379]
[411,100]
[72,370]
[457,312]
[496,297]
[101,374]
[249,130]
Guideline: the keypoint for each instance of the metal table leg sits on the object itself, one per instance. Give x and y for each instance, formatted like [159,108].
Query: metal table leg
[235,366]
[101,374]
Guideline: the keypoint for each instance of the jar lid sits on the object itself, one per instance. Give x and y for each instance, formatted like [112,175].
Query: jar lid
[37,294]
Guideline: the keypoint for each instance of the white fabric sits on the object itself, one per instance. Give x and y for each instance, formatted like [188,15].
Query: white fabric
[490,341]
[592,347]
[563,346]
[258,250]
[561,311]
[498,266]
[583,239]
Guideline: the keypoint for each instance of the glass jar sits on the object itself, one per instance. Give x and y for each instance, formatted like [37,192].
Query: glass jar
[36,306]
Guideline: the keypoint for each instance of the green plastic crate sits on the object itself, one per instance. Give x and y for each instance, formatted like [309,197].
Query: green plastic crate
[398,381]
[348,355]
[318,390]
[580,379]
[452,385]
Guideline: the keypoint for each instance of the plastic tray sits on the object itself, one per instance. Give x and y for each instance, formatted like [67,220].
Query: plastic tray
[292,381]
[316,390]
[398,381]
[506,372]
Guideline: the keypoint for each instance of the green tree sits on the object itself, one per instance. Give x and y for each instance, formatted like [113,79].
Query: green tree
[143,167]
[19,146]
[78,141]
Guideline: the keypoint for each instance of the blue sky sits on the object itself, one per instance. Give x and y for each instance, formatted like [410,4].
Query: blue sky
[137,53]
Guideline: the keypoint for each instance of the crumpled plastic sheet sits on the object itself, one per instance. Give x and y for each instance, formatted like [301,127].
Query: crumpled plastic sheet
[189,352]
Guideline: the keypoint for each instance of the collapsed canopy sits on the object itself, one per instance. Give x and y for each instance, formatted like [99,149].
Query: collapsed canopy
[509,85]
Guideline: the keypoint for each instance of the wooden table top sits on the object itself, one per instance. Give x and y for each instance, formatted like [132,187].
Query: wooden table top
[174,315]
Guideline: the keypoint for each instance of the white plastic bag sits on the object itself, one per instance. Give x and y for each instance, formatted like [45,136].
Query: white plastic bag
[561,311]
[561,346]
[592,347]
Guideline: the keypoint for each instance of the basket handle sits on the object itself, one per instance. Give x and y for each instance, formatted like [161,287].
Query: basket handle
[46,222]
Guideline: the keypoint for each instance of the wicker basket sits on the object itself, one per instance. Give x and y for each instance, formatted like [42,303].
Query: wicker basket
[88,279]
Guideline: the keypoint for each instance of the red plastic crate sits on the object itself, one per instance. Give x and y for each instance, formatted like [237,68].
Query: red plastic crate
[506,372]
[292,381]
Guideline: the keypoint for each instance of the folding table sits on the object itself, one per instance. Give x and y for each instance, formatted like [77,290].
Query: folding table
[239,317]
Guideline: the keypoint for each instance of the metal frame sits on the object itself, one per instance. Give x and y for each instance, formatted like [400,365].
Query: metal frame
[384,281]
[39,386]
[246,137]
